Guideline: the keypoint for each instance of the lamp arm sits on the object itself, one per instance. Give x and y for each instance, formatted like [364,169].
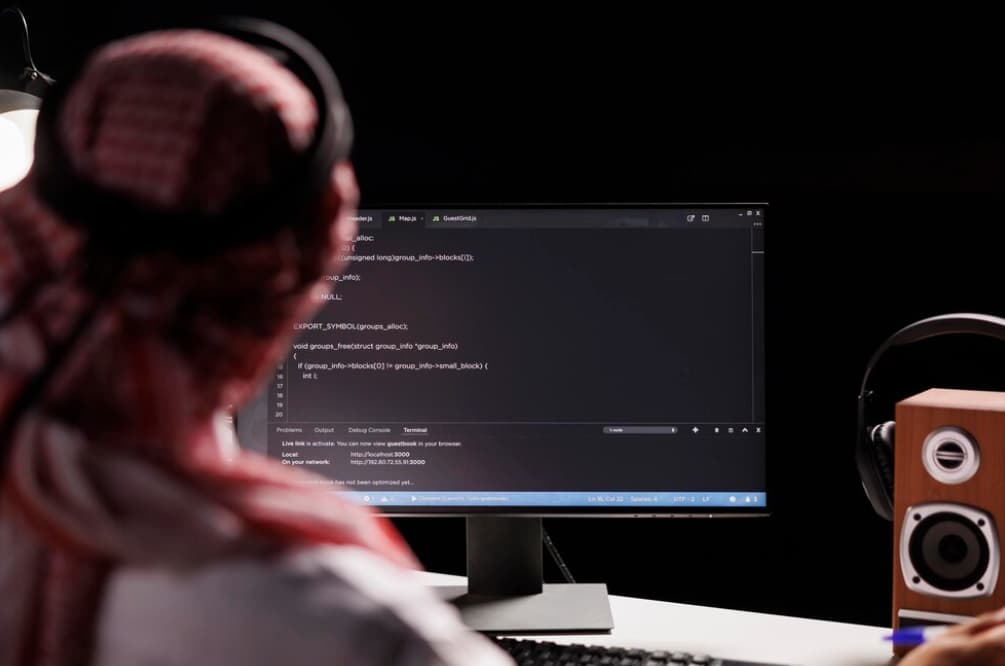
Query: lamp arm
[25,37]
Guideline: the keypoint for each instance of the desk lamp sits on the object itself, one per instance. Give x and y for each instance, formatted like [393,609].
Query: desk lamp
[19,112]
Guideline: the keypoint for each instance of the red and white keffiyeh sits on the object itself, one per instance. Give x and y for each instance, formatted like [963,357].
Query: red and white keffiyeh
[120,463]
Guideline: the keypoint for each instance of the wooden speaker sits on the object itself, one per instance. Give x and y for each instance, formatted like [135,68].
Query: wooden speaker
[949,506]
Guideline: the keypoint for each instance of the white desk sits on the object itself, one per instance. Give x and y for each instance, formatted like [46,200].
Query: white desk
[740,635]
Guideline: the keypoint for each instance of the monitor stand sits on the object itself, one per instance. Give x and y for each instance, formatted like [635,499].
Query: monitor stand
[506,593]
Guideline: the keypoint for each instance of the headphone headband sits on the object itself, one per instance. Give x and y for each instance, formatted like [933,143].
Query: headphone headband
[961,323]
[300,182]
[333,137]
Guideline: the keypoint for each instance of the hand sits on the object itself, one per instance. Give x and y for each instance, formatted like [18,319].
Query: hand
[978,642]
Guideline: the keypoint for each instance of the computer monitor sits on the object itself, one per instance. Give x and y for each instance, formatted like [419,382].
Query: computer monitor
[509,363]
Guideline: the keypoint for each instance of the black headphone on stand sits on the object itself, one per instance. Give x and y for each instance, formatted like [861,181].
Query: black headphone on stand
[300,183]
[874,450]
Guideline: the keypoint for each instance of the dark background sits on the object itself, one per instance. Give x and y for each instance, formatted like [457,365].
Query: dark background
[876,145]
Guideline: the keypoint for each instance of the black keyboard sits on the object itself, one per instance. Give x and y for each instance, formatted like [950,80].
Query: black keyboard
[543,653]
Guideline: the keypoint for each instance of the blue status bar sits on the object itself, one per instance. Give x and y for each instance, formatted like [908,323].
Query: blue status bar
[560,499]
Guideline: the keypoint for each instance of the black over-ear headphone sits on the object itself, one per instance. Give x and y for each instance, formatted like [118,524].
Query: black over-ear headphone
[300,184]
[874,450]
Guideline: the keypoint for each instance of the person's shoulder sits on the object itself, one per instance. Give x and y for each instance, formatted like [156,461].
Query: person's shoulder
[315,604]
[430,628]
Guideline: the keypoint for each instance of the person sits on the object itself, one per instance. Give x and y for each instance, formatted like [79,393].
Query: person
[132,531]
[979,642]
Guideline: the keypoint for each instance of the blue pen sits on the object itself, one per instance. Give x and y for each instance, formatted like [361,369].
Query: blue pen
[909,636]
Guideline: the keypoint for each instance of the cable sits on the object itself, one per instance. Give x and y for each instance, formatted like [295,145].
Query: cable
[550,545]
[25,39]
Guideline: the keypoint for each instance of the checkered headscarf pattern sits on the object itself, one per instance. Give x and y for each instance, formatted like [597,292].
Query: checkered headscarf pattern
[120,463]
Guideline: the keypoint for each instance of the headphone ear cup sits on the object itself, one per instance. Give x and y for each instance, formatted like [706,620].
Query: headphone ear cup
[882,437]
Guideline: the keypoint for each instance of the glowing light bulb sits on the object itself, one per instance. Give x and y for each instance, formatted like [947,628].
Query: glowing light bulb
[17,140]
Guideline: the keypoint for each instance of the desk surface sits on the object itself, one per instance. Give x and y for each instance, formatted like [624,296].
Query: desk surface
[741,635]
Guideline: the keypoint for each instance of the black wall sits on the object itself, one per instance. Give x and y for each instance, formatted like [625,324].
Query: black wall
[885,189]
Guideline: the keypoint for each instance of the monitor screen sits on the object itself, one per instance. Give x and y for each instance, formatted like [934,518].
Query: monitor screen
[540,360]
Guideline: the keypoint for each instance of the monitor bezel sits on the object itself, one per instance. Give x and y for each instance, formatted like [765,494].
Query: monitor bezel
[400,511]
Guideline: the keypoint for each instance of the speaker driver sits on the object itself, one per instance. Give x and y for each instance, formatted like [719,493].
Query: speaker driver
[949,550]
[950,455]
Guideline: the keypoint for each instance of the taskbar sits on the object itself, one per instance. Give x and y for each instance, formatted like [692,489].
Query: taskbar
[746,499]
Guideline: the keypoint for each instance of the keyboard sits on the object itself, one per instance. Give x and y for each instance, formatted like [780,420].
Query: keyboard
[544,653]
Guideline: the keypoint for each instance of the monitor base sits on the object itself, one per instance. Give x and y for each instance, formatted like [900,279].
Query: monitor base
[506,591]
[556,609]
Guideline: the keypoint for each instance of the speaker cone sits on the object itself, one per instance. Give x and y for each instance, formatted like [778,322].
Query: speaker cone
[949,550]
